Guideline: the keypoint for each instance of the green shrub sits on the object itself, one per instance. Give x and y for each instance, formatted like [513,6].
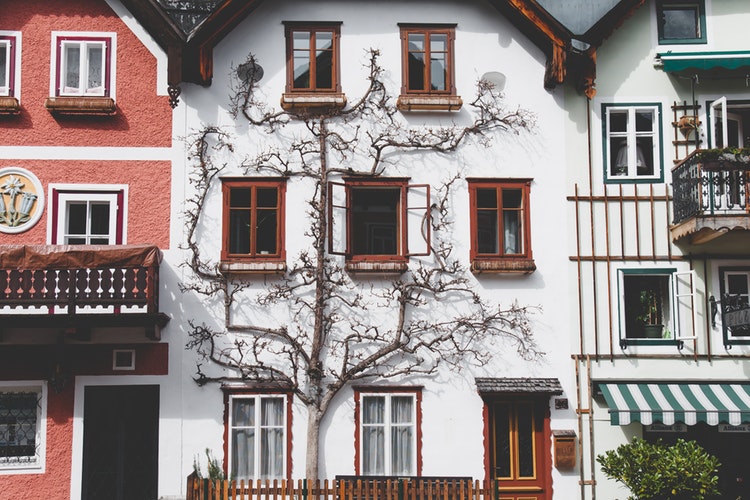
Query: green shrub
[683,471]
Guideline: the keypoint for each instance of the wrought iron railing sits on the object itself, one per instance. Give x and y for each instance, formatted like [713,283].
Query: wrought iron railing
[710,187]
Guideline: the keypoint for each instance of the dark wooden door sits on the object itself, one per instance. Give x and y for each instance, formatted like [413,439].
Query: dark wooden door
[120,442]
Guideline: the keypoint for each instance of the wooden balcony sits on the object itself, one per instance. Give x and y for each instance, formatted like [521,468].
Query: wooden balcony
[711,191]
[74,289]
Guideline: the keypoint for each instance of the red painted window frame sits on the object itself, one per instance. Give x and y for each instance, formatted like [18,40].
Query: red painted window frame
[403,209]
[11,62]
[428,30]
[227,184]
[525,186]
[313,27]
[229,392]
[55,210]
[108,42]
[360,391]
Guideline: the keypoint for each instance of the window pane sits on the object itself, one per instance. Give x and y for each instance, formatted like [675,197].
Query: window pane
[4,64]
[525,431]
[618,120]
[243,412]
[240,197]
[72,66]
[18,427]
[644,121]
[416,63]
[96,67]
[502,440]
[373,410]
[272,411]
[681,22]
[324,69]
[301,40]
[646,303]
[401,409]
[488,240]
[243,453]
[265,239]
[373,451]
[644,155]
[618,148]
[239,231]
[301,59]
[272,438]
[76,218]
[401,450]
[487,198]
[374,221]
[99,218]
[267,197]
[438,62]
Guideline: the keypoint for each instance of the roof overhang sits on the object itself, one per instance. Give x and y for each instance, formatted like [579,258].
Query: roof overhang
[699,62]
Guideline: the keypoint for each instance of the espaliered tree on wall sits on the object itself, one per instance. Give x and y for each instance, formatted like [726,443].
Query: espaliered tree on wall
[335,334]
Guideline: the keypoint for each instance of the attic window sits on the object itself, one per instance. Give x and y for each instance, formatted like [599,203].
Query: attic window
[681,22]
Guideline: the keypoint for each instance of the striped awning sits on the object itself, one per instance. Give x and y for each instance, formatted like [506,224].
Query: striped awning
[670,403]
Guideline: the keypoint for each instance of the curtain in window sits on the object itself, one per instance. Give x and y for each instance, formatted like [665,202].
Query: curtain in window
[96,68]
[243,439]
[272,438]
[402,429]
[373,435]
[72,67]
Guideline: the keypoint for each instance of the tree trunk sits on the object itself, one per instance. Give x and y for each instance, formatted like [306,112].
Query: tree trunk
[313,443]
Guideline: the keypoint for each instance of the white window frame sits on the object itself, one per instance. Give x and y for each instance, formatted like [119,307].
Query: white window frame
[60,39]
[630,136]
[388,426]
[679,319]
[257,428]
[63,194]
[10,42]
[39,462]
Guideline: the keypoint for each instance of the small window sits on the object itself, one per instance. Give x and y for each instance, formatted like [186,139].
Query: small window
[378,220]
[681,22]
[632,143]
[22,427]
[8,64]
[656,306]
[87,217]
[253,219]
[313,57]
[428,68]
[735,304]
[500,234]
[84,66]
[387,427]
[258,434]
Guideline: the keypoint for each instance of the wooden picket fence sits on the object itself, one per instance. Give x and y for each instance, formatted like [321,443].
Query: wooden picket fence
[417,488]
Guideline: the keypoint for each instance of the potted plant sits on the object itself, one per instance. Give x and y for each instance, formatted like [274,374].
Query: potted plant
[651,313]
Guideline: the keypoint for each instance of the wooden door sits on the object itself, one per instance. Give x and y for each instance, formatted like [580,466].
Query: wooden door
[120,443]
[520,454]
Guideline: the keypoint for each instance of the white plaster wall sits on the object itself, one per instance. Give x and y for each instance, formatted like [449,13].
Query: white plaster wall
[452,421]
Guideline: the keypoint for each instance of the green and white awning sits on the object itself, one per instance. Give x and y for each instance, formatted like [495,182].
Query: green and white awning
[670,403]
[676,62]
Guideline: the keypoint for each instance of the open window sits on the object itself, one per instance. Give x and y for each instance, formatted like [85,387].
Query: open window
[378,223]
[500,225]
[83,73]
[388,431]
[253,224]
[10,53]
[428,68]
[728,186]
[313,81]
[735,304]
[657,306]
[632,143]
[82,216]
[681,21]
[258,435]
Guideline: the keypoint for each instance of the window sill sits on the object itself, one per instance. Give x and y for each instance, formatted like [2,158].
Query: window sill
[81,105]
[9,105]
[313,103]
[505,266]
[252,267]
[429,103]
[377,266]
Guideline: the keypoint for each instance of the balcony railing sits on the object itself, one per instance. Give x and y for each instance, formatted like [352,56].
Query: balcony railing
[711,183]
[80,287]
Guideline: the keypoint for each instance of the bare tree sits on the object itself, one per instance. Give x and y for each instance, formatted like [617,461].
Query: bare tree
[330,339]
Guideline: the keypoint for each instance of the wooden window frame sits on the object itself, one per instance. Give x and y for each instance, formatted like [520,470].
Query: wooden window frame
[116,195]
[254,183]
[403,210]
[700,7]
[61,64]
[313,27]
[426,99]
[501,262]
[232,393]
[387,392]
[631,135]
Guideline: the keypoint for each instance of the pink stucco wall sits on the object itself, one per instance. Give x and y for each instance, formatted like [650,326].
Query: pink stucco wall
[143,118]
[149,182]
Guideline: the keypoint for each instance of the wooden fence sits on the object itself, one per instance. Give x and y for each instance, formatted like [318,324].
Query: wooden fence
[343,489]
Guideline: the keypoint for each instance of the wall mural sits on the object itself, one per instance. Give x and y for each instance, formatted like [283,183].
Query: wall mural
[21,200]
